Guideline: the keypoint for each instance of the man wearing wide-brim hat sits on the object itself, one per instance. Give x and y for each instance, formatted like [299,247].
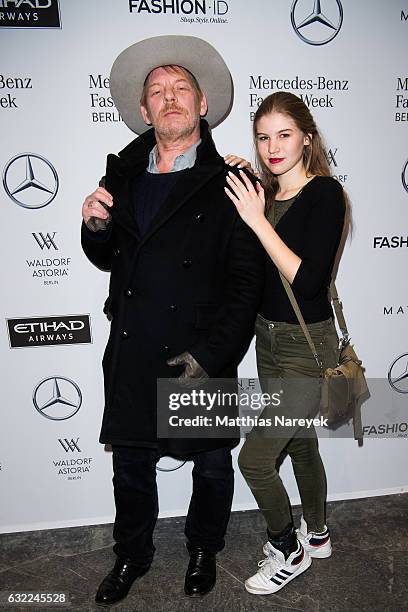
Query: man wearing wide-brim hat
[185,283]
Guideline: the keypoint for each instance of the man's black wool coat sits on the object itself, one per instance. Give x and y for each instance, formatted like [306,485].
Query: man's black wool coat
[193,283]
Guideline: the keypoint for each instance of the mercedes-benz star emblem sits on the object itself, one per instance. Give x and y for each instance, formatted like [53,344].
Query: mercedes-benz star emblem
[398,374]
[57,398]
[404,176]
[30,180]
[316,27]
[169,464]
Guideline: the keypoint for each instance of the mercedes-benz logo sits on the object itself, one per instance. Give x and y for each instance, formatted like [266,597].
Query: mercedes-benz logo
[57,398]
[169,464]
[404,176]
[30,180]
[316,27]
[398,374]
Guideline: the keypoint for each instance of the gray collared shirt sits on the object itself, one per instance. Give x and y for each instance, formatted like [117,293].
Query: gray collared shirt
[182,162]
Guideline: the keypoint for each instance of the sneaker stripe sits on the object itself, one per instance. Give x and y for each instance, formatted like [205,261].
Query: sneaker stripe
[276,581]
[299,558]
[283,571]
[279,575]
[319,542]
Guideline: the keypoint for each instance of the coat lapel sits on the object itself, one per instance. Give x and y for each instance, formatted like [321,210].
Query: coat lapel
[119,173]
[185,188]
[133,160]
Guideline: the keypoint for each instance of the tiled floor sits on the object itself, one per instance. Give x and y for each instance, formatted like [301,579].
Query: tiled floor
[368,569]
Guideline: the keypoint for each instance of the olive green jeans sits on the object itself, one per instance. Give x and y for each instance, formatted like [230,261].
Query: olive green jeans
[287,366]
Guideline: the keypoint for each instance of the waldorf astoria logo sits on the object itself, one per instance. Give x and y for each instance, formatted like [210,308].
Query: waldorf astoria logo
[48,269]
[29,14]
[71,466]
[332,156]
[45,240]
[70,445]
[49,331]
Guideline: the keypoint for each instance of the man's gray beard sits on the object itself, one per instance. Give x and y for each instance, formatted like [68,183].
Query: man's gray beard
[179,132]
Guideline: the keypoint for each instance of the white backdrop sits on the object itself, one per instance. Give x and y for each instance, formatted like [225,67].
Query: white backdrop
[54,103]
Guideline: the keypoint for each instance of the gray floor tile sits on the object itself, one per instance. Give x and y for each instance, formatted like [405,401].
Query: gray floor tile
[367,572]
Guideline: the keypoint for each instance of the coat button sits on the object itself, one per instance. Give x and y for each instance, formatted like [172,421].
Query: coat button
[125,334]
[128,293]
[187,263]
[200,217]
[116,252]
[173,307]
[166,348]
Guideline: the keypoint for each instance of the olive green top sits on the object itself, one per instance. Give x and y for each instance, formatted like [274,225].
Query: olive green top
[278,209]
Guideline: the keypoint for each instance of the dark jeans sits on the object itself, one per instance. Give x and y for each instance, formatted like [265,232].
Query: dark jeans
[137,507]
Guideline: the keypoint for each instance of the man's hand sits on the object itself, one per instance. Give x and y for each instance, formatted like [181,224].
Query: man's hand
[95,211]
[193,373]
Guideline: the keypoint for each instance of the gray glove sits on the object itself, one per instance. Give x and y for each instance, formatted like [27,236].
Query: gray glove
[193,373]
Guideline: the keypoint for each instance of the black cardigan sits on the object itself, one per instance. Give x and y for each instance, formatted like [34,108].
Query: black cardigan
[312,229]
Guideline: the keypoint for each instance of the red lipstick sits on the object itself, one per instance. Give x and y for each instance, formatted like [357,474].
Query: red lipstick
[275,160]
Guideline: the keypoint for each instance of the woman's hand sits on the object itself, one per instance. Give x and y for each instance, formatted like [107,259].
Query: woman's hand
[249,200]
[239,162]
[250,204]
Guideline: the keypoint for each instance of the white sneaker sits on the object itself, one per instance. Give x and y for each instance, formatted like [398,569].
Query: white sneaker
[275,572]
[318,545]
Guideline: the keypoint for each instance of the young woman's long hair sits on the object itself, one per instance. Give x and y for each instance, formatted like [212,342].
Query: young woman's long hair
[314,154]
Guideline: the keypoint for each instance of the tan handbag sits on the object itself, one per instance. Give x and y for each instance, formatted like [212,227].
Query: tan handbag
[344,387]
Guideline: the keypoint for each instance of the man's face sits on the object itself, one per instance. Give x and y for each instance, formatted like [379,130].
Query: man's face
[172,105]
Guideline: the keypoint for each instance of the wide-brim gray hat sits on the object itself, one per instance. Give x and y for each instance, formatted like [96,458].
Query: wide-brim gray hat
[132,66]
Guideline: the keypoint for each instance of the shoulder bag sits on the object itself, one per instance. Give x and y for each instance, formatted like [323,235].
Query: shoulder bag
[344,387]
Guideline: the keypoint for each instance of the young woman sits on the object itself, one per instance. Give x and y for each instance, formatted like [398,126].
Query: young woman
[300,228]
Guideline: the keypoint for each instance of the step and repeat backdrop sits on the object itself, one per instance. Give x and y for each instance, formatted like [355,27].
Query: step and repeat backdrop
[347,60]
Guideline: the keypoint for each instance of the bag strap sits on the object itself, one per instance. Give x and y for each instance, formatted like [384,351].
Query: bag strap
[339,312]
[300,318]
[338,309]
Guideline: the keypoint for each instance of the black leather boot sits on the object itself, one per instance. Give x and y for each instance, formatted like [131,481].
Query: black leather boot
[201,572]
[116,585]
